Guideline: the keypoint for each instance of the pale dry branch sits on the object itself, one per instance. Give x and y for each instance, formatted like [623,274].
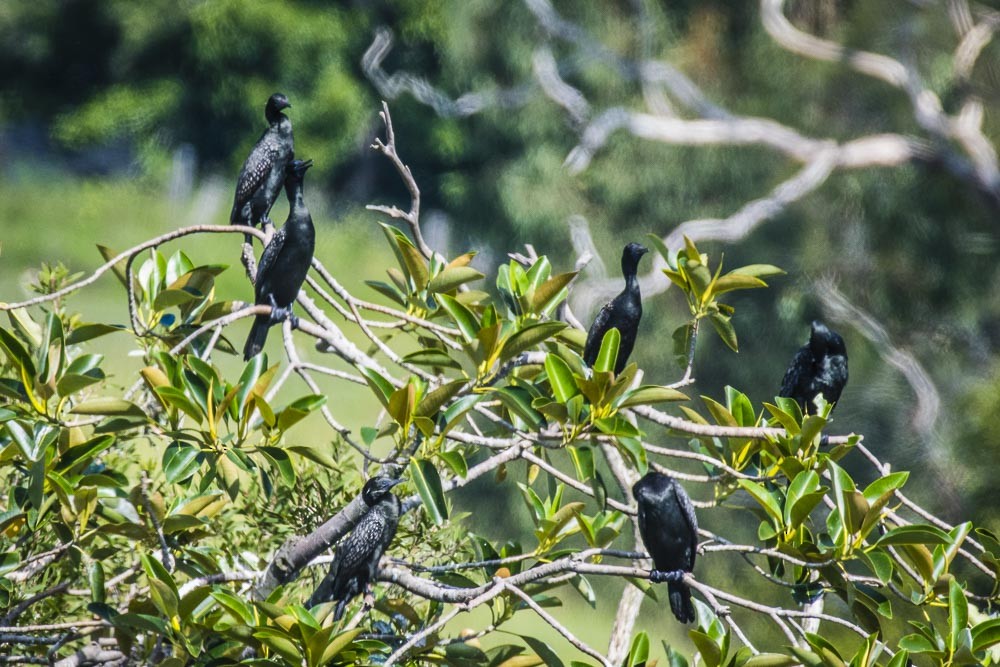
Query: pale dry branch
[392,86]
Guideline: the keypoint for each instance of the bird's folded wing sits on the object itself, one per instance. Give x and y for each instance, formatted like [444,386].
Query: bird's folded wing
[256,169]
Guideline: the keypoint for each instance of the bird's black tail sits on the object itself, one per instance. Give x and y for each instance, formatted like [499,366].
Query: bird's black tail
[258,336]
[680,601]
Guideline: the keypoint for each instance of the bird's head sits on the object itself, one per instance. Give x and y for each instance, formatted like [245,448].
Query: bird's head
[275,103]
[378,488]
[297,168]
[824,341]
[653,487]
[631,255]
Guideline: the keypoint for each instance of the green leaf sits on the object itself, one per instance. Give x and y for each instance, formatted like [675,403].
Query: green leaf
[724,327]
[551,292]
[735,281]
[986,635]
[638,652]
[84,452]
[108,406]
[958,613]
[16,353]
[433,401]
[162,588]
[178,399]
[758,270]
[279,642]
[660,246]
[391,292]
[432,359]
[771,660]
[528,337]
[415,263]
[464,319]
[764,498]
[282,462]
[316,454]
[251,371]
[710,652]
[805,484]
[560,378]
[915,534]
[339,643]
[180,461]
[401,404]
[299,409]
[382,388]
[169,298]
[884,485]
[608,354]
[452,277]
[85,332]
[96,577]
[425,477]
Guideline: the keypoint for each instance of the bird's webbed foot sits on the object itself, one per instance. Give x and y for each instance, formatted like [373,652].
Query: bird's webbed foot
[660,576]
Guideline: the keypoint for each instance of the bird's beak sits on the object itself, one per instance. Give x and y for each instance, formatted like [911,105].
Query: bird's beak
[306,164]
[644,249]
[288,105]
[396,482]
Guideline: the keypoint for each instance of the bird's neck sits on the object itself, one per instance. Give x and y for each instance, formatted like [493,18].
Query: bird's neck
[275,117]
[632,281]
[296,200]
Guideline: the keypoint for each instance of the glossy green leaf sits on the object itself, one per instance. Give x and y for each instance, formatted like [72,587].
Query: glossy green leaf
[608,354]
[452,277]
[84,332]
[650,395]
[431,359]
[764,498]
[180,461]
[724,327]
[434,400]
[529,337]
[560,378]
[736,281]
[884,485]
[382,388]
[108,406]
[95,575]
[914,534]
[464,319]
[425,477]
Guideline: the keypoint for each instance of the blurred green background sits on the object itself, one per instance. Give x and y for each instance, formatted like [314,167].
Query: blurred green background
[120,120]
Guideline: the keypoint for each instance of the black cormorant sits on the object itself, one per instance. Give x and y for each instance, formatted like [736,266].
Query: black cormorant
[622,313]
[355,562]
[669,529]
[263,171]
[819,367]
[284,262]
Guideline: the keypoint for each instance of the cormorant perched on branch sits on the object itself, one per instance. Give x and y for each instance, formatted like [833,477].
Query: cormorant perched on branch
[819,367]
[622,313]
[263,171]
[356,561]
[284,262]
[669,529]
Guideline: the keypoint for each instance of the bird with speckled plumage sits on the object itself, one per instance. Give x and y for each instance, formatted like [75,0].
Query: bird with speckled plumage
[355,562]
[263,172]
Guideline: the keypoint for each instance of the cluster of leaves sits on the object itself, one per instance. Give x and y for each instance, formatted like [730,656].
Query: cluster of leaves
[221,448]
